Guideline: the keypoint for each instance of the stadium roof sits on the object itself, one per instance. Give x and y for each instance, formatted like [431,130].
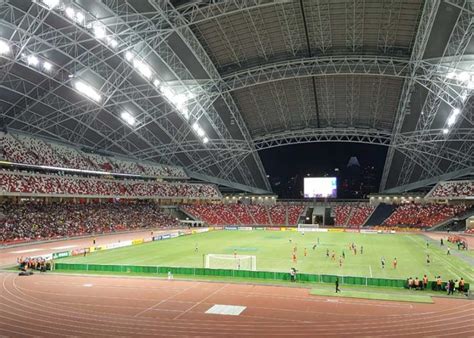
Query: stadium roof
[207,84]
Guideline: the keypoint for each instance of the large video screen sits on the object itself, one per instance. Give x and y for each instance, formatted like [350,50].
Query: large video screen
[320,187]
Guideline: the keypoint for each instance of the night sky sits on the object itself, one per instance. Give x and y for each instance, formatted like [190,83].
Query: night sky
[287,165]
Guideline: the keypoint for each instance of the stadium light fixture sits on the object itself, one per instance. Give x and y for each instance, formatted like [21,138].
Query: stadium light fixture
[451,75]
[456,111]
[127,117]
[70,13]
[205,140]
[464,76]
[87,90]
[99,31]
[51,3]
[445,131]
[32,60]
[47,66]
[80,18]
[142,68]
[156,82]
[112,42]
[128,56]
[4,47]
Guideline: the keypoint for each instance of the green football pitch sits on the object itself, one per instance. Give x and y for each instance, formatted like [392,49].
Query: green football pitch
[273,251]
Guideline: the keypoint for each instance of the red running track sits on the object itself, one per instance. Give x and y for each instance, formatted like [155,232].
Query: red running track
[58,305]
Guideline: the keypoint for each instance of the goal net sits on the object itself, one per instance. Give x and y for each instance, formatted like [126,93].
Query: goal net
[237,262]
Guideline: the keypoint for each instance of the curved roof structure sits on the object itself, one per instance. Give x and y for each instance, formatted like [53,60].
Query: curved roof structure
[210,83]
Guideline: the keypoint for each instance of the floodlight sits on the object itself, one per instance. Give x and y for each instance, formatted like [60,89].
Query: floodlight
[80,18]
[32,60]
[451,75]
[128,118]
[112,42]
[464,76]
[205,140]
[200,132]
[196,126]
[451,120]
[87,90]
[128,56]
[156,82]
[445,131]
[47,66]
[4,47]
[70,13]
[99,31]
[456,111]
[51,3]
[142,68]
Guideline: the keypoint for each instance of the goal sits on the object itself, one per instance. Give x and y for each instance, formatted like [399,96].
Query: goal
[238,262]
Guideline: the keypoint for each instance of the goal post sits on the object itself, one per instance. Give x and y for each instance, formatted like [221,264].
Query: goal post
[233,262]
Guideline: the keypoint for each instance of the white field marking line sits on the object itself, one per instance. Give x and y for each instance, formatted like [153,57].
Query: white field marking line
[202,301]
[25,251]
[370,269]
[162,301]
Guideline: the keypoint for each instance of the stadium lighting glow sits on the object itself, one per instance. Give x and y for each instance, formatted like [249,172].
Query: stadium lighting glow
[196,126]
[156,82]
[128,118]
[205,140]
[4,48]
[87,90]
[51,3]
[451,75]
[456,111]
[32,60]
[445,131]
[128,56]
[200,132]
[80,18]
[70,13]
[47,66]
[464,76]
[142,68]
[451,120]
[99,31]
[112,42]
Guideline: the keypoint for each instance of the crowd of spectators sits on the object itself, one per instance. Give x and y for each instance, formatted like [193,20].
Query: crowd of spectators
[29,150]
[352,215]
[453,189]
[37,221]
[242,214]
[33,184]
[423,215]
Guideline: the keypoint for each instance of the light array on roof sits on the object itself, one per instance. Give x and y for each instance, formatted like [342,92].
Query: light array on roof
[99,30]
[87,90]
[4,47]
[35,61]
[200,132]
[127,117]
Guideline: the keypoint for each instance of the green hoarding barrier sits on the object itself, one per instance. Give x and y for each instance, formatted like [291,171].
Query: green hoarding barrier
[269,275]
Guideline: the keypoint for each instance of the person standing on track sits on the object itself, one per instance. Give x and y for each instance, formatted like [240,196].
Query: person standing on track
[337,285]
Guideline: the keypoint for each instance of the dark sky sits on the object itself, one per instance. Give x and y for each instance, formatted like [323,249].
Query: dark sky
[317,159]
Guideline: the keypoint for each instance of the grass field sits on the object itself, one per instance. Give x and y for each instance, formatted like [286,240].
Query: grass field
[274,253]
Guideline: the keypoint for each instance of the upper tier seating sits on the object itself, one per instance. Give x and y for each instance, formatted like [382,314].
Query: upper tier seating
[453,189]
[241,214]
[37,221]
[423,215]
[34,184]
[29,150]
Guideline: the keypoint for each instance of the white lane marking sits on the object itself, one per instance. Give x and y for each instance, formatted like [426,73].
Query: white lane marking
[226,310]
[88,285]
[25,251]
